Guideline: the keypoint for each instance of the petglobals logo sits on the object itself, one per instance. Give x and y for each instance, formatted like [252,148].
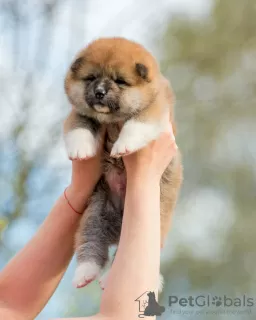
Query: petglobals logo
[148,306]
[211,301]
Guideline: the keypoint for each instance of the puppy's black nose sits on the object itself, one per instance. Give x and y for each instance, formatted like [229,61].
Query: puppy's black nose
[100,92]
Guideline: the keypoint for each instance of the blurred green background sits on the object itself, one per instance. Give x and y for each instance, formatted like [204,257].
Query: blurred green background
[207,49]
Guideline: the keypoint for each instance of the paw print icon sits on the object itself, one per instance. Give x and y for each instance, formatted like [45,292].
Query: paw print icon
[217,301]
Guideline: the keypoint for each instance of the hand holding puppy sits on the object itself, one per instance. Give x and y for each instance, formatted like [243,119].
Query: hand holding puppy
[151,161]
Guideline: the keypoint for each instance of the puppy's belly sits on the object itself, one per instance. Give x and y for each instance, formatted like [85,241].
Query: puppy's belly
[116,179]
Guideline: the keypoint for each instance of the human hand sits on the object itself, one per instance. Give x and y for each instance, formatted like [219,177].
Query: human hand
[85,175]
[151,161]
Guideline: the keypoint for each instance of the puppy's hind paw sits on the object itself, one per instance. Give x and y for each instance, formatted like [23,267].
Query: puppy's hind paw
[81,144]
[85,273]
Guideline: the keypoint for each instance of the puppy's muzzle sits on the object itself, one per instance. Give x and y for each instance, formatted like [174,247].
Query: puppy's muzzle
[101,98]
[100,91]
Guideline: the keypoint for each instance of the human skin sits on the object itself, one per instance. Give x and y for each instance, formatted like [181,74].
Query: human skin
[31,277]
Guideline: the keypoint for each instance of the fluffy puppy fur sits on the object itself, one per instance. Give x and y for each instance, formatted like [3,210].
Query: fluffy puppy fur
[115,81]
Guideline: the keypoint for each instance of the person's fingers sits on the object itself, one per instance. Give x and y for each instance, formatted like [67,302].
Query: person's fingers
[172,143]
[170,130]
[168,141]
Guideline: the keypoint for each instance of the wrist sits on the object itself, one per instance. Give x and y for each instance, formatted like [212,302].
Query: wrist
[143,180]
[143,177]
[85,175]
[78,192]
[143,192]
[77,199]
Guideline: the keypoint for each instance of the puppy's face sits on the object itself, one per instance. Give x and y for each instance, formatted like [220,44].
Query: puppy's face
[112,79]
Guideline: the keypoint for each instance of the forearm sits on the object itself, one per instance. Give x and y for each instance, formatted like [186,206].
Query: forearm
[136,266]
[31,277]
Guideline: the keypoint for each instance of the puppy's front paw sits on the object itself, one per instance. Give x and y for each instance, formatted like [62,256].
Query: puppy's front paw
[134,136]
[80,144]
[121,148]
[85,273]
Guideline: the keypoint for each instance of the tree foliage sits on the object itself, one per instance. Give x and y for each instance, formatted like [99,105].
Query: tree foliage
[211,64]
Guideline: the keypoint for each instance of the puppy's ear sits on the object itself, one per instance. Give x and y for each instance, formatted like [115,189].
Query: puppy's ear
[77,64]
[142,70]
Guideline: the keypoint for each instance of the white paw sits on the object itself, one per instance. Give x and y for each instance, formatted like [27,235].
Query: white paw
[160,283]
[126,145]
[85,273]
[134,136]
[80,144]
[103,280]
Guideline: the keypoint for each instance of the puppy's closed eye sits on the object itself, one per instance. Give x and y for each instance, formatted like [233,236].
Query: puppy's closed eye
[90,78]
[122,82]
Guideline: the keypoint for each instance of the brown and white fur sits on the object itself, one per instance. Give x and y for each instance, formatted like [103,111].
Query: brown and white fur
[115,81]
